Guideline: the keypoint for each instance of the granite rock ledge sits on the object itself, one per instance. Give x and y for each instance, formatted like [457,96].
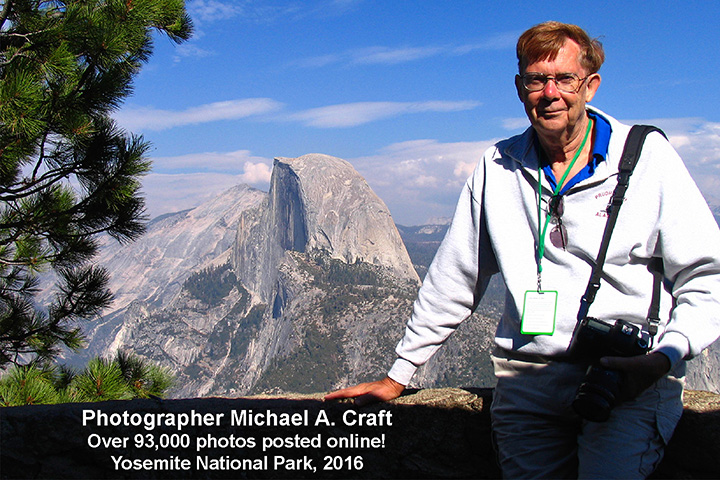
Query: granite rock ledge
[433,433]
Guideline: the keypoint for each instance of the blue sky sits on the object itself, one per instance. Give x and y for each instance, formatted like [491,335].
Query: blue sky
[410,92]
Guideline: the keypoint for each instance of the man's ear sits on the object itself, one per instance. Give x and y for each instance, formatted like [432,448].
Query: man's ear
[592,84]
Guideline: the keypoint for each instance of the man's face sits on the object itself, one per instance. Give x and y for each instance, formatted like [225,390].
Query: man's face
[554,113]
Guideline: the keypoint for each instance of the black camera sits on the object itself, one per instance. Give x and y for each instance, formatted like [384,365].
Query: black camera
[600,390]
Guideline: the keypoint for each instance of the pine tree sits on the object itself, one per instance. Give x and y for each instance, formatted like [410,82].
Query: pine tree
[144,379]
[101,380]
[67,172]
[27,385]
[124,377]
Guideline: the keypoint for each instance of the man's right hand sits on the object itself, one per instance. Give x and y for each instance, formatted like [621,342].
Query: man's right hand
[371,392]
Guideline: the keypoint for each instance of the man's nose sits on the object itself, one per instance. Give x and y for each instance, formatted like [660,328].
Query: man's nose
[550,89]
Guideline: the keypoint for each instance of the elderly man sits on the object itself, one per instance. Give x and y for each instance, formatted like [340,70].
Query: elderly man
[535,210]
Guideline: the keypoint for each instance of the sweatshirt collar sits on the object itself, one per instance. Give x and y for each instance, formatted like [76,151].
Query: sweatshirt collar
[608,147]
[601,132]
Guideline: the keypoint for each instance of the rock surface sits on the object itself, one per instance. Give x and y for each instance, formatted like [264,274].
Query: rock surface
[436,433]
[317,203]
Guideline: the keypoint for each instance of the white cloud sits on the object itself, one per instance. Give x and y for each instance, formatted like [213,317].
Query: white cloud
[463,169]
[698,143]
[353,114]
[136,118]
[696,139]
[165,193]
[207,11]
[421,179]
[179,183]
[390,56]
[191,50]
[148,118]
[256,173]
[384,55]
[414,161]
[240,162]
[515,123]
[500,41]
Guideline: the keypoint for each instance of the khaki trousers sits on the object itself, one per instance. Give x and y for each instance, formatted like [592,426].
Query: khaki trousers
[538,435]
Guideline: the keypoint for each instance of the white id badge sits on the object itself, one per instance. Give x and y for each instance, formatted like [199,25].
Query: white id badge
[539,312]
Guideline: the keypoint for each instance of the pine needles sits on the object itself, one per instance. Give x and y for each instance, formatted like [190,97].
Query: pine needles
[124,377]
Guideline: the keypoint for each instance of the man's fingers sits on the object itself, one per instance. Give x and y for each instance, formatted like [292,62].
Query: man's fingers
[349,392]
[364,393]
[615,363]
[654,364]
[639,372]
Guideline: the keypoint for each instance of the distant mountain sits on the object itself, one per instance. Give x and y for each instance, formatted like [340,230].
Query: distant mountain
[422,242]
[317,203]
[154,268]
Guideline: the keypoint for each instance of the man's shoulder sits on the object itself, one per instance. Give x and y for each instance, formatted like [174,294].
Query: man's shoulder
[517,146]
[618,128]
[655,142]
[522,137]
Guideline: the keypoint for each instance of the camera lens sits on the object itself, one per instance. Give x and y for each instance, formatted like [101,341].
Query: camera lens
[598,394]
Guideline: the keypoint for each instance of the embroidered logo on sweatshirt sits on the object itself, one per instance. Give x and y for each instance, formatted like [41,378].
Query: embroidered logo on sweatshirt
[608,195]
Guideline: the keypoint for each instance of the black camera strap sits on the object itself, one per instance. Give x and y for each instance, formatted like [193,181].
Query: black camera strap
[628,160]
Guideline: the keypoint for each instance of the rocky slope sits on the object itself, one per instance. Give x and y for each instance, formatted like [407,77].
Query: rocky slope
[150,272]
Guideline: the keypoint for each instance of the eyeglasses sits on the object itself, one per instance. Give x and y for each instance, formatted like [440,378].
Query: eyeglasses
[559,234]
[566,82]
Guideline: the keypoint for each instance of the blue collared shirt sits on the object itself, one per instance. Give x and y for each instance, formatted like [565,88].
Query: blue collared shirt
[602,132]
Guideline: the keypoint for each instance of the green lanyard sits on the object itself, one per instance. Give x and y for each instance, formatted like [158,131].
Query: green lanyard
[543,230]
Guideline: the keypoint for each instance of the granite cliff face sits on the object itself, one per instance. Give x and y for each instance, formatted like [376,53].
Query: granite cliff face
[341,214]
[317,203]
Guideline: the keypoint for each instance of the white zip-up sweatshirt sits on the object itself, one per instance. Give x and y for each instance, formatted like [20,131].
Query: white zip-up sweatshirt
[495,229]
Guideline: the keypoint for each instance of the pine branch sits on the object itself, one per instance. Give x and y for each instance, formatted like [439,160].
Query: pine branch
[41,156]
[27,188]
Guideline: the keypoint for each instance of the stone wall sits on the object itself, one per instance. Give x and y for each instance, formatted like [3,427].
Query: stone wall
[435,433]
